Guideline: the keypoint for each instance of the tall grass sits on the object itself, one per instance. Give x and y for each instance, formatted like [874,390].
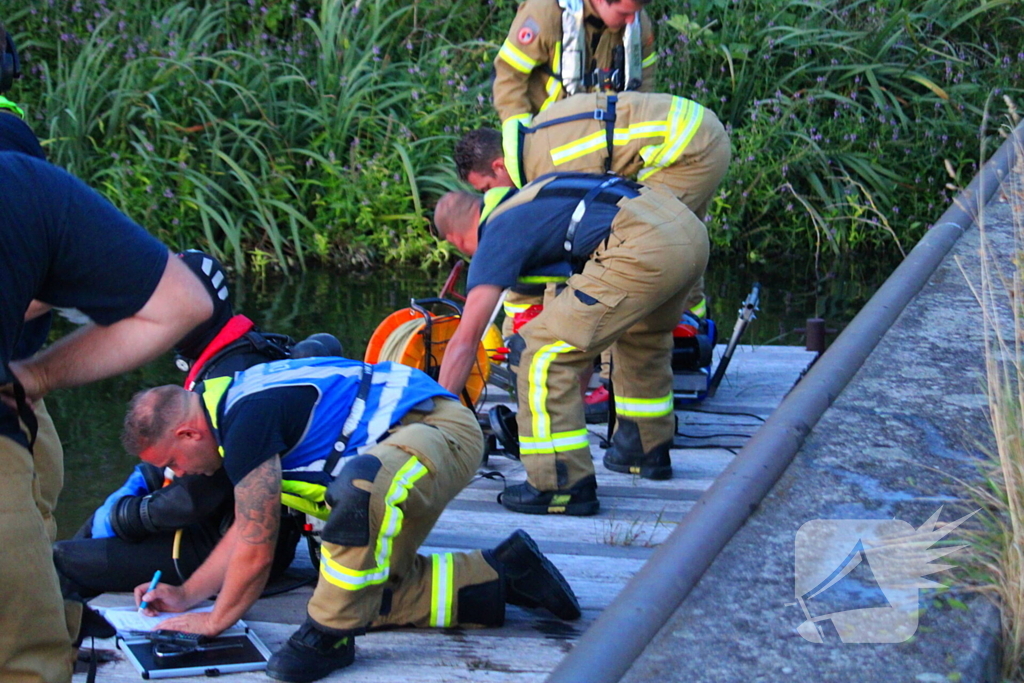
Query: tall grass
[842,112]
[291,131]
[999,547]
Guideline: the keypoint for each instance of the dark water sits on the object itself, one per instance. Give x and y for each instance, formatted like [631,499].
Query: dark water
[89,418]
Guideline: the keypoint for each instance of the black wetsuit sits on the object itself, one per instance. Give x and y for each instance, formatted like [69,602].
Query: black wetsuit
[202,506]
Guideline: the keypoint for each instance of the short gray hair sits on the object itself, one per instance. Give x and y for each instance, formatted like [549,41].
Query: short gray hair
[151,414]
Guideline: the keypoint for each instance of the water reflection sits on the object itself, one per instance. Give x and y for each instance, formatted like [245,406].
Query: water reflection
[89,418]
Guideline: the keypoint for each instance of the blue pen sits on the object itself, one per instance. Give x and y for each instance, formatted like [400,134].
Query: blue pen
[152,585]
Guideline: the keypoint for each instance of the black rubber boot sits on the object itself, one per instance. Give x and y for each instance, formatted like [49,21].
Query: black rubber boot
[580,499]
[310,654]
[484,603]
[531,580]
[626,454]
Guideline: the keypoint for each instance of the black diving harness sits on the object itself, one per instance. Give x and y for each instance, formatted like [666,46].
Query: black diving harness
[24,408]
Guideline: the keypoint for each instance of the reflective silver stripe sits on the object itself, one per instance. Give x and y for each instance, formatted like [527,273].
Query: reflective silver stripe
[355,579]
[573,45]
[317,466]
[390,395]
[634,53]
[270,376]
[516,58]
[443,580]
[351,422]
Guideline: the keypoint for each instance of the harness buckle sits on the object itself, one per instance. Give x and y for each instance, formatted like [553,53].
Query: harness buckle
[599,114]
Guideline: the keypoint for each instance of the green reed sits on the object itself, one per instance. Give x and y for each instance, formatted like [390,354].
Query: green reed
[304,131]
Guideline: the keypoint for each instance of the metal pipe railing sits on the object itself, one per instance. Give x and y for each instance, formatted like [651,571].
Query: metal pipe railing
[611,645]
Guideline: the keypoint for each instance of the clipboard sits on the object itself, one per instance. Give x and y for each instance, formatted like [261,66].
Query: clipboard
[236,649]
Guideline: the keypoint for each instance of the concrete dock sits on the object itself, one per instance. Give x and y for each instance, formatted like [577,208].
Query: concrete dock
[896,444]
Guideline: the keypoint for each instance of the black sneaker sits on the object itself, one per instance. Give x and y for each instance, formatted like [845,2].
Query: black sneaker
[310,654]
[531,580]
[580,499]
[626,454]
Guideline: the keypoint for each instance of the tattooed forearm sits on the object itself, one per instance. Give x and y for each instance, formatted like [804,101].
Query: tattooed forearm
[257,504]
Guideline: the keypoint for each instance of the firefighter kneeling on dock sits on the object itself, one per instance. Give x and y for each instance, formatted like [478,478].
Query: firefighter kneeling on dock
[633,254]
[375,450]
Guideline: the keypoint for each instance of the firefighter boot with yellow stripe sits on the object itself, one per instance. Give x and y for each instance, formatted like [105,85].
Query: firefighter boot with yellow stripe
[626,454]
[579,499]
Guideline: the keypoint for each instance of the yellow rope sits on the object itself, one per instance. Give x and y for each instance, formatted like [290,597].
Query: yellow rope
[396,342]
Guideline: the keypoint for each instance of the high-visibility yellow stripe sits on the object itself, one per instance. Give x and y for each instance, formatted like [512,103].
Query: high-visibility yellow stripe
[577,148]
[701,309]
[515,58]
[511,309]
[318,510]
[390,527]
[559,442]
[684,119]
[314,493]
[510,147]
[644,407]
[492,198]
[649,60]
[538,386]
[553,86]
[8,105]
[540,279]
[597,141]
[442,589]
[213,390]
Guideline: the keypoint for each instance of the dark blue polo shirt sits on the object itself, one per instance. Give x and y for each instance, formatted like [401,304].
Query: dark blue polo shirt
[16,136]
[525,235]
[64,244]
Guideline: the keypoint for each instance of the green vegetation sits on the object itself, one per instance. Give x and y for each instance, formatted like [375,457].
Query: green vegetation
[285,132]
[997,548]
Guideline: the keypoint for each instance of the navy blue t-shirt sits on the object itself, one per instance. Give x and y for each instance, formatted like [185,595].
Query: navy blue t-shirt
[64,244]
[16,136]
[528,237]
[265,424]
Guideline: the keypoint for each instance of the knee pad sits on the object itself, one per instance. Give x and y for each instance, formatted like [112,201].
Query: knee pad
[349,522]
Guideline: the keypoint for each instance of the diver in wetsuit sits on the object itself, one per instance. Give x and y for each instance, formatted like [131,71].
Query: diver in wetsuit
[133,533]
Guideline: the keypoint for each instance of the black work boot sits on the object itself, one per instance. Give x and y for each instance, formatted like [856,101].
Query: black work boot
[626,454]
[310,654]
[531,580]
[580,499]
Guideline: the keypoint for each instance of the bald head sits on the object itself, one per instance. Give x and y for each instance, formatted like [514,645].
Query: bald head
[457,217]
[152,415]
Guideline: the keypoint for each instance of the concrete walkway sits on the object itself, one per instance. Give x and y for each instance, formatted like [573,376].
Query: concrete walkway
[893,444]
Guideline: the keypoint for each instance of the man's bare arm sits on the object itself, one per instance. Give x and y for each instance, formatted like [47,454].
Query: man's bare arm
[460,354]
[257,520]
[92,352]
[239,566]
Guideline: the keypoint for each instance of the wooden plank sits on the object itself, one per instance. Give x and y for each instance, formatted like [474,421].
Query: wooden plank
[414,656]
[598,555]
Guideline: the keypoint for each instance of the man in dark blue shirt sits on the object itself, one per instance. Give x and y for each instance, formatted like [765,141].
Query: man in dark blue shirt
[61,244]
[633,254]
